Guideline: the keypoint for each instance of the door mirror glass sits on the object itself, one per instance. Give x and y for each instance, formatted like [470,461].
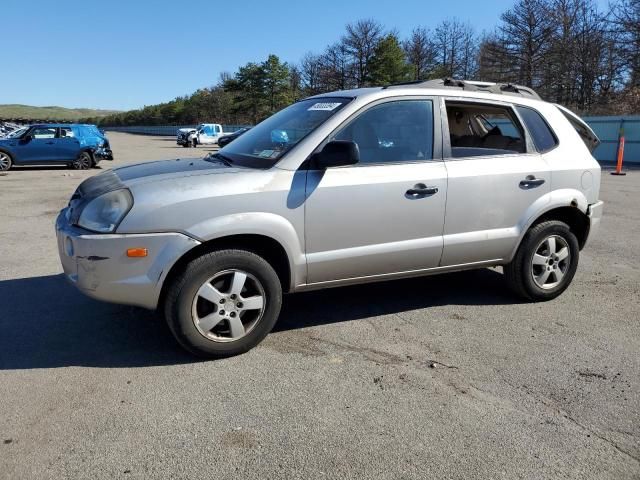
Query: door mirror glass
[337,154]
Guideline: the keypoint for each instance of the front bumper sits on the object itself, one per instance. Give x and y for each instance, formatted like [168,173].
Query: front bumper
[594,212]
[103,154]
[98,264]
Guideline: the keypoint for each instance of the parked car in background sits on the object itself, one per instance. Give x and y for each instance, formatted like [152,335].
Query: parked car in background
[339,189]
[204,134]
[76,145]
[227,139]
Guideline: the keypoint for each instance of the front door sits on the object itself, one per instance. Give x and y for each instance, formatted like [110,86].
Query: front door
[39,147]
[385,214]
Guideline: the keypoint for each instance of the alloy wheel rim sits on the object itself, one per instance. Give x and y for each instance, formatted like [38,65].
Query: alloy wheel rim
[228,306]
[4,161]
[550,262]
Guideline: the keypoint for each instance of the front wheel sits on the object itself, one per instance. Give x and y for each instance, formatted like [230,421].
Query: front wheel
[195,143]
[223,303]
[545,263]
[5,162]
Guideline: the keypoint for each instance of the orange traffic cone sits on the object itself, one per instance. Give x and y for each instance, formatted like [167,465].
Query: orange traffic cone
[618,170]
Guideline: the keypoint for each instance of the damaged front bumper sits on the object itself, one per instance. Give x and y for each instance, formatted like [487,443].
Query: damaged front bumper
[99,266]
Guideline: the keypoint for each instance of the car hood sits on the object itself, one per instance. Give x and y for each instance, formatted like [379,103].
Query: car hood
[132,175]
[167,169]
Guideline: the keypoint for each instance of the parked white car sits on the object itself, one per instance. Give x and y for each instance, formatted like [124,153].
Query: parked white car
[205,134]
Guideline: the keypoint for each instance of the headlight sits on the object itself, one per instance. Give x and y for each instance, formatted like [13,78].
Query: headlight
[104,213]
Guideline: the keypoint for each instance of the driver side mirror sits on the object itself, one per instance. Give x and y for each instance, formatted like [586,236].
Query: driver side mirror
[338,153]
[27,138]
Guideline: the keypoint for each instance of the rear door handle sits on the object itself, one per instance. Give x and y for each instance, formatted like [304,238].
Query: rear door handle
[421,190]
[531,182]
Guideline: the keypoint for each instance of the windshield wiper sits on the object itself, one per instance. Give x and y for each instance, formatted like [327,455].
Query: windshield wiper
[223,158]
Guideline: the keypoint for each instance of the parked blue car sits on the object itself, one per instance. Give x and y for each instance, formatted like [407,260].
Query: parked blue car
[75,145]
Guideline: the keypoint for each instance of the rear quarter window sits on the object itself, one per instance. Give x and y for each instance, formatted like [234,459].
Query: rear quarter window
[543,137]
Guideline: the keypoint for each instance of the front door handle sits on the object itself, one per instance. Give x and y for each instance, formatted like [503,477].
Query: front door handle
[49,143]
[421,190]
[531,182]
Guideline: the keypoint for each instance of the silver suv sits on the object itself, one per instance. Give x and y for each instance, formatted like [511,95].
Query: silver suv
[342,188]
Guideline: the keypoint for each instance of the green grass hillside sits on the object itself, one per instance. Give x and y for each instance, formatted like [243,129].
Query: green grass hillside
[50,113]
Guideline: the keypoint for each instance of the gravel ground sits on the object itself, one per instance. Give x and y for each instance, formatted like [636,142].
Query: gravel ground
[441,377]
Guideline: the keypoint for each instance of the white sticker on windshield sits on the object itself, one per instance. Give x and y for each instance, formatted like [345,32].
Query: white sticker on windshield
[325,106]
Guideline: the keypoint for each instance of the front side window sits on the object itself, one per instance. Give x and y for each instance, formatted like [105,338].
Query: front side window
[43,132]
[542,136]
[266,143]
[397,131]
[480,130]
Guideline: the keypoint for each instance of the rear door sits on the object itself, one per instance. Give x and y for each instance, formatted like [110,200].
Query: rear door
[495,175]
[68,143]
[371,218]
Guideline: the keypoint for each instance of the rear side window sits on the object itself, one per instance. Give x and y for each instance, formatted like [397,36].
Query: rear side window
[543,138]
[477,130]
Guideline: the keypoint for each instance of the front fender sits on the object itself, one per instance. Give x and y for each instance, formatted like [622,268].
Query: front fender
[257,223]
[566,197]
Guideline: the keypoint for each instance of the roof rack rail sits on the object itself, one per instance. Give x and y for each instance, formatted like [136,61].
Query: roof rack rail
[473,86]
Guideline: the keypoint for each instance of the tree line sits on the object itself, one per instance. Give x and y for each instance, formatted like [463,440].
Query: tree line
[569,51]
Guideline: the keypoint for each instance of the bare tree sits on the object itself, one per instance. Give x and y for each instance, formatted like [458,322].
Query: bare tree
[337,71]
[526,37]
[360,41]
[455,45]
[310,73]
[625,22]
[420,53]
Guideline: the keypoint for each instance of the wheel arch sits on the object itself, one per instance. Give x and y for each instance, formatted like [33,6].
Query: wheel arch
[266,247]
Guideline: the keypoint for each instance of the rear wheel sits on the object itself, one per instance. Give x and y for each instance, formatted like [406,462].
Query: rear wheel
[224,303]
[545,263]
[195,142]
[5,161]
[82,162]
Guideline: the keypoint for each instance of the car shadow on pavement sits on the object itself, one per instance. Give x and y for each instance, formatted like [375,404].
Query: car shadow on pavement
[323,307]
[47,323]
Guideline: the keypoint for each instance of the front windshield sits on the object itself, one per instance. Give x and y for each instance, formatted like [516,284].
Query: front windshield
[17,133]
[266,143]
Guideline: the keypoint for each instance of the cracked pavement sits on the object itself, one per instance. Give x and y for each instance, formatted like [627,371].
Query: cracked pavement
[441,377]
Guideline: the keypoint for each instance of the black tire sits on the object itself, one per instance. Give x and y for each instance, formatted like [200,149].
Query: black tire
[181,294]
[521,273]
[83,162]
[195,142]
[186,144]
[6,161]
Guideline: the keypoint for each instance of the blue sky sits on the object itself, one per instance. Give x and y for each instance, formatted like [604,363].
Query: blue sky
[125,54]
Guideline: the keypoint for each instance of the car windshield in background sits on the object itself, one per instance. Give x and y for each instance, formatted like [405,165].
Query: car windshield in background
[267,142]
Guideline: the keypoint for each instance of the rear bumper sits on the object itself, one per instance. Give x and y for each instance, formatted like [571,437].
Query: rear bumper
[98,266]
[594,212]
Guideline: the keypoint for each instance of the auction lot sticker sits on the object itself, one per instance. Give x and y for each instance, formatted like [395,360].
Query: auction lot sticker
[325,106]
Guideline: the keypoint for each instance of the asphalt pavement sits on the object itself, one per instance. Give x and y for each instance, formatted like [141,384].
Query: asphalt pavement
[441,377]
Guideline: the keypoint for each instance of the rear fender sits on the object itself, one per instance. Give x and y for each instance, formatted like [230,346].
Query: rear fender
[566,197]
